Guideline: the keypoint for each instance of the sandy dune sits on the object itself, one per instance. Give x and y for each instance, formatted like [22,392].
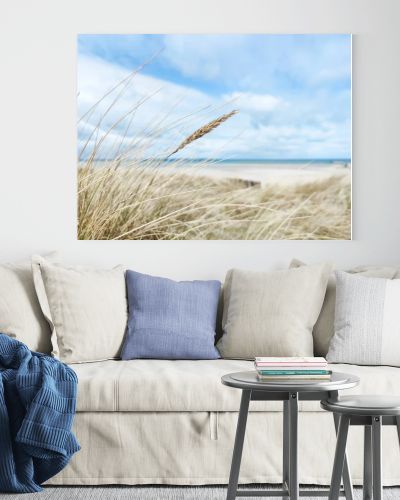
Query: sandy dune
[266,174]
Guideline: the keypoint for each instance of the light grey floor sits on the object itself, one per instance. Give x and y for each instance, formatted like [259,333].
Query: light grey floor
[152,493]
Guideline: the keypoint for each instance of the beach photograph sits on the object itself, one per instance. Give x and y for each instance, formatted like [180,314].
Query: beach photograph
[214,137]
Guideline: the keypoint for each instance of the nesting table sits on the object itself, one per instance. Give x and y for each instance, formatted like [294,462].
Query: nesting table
[290,392]
[371,412]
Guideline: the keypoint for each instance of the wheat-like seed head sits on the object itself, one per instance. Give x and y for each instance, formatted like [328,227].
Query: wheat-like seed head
[205,129]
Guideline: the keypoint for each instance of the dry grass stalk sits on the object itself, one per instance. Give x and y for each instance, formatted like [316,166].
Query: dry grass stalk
[205,129]
[141,202]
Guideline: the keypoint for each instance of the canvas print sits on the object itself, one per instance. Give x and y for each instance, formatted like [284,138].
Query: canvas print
[205,137]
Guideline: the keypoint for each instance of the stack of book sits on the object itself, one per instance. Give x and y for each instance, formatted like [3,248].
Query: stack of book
[269,369]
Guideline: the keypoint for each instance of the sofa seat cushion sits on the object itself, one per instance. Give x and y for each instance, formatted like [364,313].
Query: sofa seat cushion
[174,386]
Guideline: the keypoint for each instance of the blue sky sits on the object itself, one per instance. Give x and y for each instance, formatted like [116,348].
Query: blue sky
[293,92]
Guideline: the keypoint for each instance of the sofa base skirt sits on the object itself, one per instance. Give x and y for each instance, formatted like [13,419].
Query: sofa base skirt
[195,448]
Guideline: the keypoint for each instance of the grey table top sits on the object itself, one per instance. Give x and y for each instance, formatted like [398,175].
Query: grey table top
[249,380]
[364,405]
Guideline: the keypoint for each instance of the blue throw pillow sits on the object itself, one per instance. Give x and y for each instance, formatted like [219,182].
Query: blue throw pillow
[170,319]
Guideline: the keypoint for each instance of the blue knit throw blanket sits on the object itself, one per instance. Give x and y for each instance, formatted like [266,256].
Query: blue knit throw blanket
[37,406]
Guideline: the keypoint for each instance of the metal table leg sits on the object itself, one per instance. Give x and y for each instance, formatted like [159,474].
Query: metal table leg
[347,481]
[290,478]
[367,480]
[340,454]
[286,449]
[293,447]
[377,457]
[238,447]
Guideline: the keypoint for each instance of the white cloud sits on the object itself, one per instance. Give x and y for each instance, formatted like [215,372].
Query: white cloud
[159,108]
[164,113]
[254,103]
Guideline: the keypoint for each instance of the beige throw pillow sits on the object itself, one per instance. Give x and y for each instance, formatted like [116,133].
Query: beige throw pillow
[86,309]
[324,328]
[272,313]
[20,315]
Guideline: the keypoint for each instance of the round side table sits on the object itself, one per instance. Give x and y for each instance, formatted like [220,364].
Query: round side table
[371,412]
[290,392]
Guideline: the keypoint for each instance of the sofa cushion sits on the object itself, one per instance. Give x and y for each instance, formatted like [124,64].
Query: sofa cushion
[272,313]
[324,327]
[20,315]
[367,321]
[170,319]
[161,385]
[86,309]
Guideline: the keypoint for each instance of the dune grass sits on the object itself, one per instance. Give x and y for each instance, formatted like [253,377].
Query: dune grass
[147,202]
[136,194]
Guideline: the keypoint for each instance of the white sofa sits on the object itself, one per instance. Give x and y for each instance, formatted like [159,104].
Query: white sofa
[173,422]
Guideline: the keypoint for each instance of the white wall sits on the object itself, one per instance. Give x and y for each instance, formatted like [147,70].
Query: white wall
[38,115]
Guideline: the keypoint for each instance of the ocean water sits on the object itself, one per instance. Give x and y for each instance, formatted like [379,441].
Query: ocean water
[253,161]
[329,161]
[262,161]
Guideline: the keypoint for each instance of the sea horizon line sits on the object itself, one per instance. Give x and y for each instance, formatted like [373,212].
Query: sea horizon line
[235,160]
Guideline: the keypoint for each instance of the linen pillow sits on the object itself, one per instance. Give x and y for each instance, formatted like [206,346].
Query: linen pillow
[367,321]
[324,327]
[86,310]
[20,314]
[170,319]
[272,313]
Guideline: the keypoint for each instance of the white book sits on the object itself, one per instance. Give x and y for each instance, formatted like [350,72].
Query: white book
[290,361]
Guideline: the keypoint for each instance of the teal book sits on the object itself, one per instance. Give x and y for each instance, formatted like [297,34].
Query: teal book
[294,372]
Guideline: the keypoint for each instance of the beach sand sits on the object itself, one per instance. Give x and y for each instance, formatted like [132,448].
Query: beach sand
[265,174]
